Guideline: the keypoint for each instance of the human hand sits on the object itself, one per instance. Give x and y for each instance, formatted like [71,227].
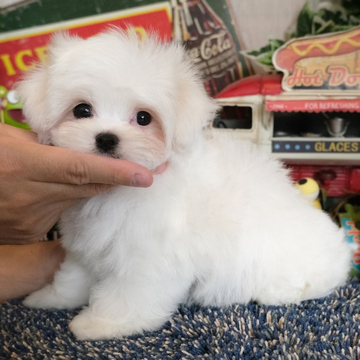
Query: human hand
[25,269]
[38,182]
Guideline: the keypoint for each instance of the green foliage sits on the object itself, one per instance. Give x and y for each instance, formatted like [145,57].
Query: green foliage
[265,53]
[304,24]
[326,20]
[352,7]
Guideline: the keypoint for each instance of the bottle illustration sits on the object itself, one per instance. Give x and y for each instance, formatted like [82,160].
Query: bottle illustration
[208,42]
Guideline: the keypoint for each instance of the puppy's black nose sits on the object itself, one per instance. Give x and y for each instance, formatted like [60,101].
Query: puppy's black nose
[106,142]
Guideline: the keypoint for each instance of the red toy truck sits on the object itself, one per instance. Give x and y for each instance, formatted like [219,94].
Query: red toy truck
[289,127]
[309,116]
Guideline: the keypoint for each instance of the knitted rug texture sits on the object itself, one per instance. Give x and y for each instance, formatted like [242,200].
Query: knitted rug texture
[327,328]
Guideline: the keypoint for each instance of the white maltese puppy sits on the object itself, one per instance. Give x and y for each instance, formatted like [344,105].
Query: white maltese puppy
[221,224]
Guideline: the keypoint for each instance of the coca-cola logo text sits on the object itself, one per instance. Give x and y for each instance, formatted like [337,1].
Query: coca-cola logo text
[210,46]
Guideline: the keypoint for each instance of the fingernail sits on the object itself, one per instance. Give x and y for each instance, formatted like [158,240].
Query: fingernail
[139,180]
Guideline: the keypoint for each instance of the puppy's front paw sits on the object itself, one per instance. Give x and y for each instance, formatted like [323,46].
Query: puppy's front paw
[87,326]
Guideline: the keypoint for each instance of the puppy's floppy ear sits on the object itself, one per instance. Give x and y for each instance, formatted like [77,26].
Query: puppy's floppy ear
[33,88]
[32,92]
[195,109]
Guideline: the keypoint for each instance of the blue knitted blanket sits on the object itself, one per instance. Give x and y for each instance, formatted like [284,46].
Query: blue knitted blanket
[328,328]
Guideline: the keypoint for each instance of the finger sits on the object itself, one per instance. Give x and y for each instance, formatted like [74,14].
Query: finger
[66,194]
[20,134]
[65,166]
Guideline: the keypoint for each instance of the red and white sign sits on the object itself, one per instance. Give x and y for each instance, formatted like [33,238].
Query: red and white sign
[331,105]
[324,62]
[19,50]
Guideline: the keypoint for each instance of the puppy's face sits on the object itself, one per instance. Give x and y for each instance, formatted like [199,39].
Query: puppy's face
[116,96]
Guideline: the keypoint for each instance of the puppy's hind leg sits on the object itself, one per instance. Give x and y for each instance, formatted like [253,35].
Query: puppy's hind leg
[70,288]
[122,307]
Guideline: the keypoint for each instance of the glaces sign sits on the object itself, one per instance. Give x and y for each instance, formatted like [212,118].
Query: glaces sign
[330,62]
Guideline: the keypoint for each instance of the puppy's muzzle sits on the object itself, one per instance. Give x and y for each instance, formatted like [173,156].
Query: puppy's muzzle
[106,142]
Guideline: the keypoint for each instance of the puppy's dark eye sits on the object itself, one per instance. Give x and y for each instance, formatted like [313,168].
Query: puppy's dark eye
[82,111]
[143,118]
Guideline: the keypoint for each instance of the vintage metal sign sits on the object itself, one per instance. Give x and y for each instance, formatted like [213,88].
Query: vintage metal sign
[20,49]
[316,146]
[326,63]
[314,105]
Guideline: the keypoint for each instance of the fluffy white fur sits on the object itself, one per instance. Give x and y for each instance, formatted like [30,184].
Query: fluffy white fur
[222,224]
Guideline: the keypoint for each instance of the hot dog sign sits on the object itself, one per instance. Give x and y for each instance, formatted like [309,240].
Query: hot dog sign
[325,62]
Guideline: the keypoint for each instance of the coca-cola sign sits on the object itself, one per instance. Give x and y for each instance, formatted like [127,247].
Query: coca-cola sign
[210,47]
[208,42]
